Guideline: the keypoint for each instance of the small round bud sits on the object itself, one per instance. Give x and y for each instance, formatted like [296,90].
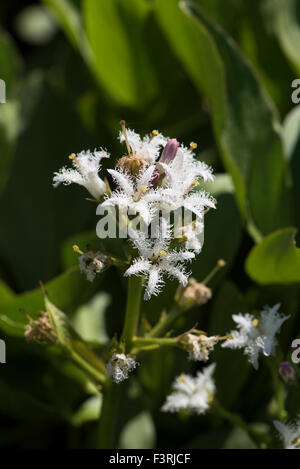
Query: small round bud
[287,372]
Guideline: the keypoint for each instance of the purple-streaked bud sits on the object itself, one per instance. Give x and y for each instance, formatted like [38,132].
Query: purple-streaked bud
[155,178]
[169,152]
[287,372]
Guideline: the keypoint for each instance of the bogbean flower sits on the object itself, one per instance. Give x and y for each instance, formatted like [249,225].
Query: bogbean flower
[133,193]
[256,335]
[194,394]
[155,259]
[119,366]
[289,433]
[85,172]
[147,149]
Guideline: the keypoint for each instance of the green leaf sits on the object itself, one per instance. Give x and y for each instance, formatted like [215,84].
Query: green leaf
[71,341]
[245,122]
[89,319]
[223,230]
[276,259]
[89,411]
[291,138]
[285,17]
[138,433]
[115,31]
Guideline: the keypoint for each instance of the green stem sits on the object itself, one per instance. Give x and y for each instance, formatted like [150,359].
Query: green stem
[132,314]
[141,342]
[235,419]
[279,389]
[97,374]
[166,322]
[109,414]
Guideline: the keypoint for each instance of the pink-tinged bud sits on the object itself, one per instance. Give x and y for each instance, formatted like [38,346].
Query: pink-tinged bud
[169,152]
[287,372]
[155,178]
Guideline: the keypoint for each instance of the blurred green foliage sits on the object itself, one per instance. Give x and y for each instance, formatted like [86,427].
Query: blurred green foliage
[218,73]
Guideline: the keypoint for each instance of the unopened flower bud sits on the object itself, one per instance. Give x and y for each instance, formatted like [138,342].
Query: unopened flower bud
[287,372]
[169,152]
[194,293]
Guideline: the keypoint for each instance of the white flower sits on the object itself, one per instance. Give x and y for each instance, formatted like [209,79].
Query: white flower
[119,366]
[85,172]
[290,433]
[192,393]
[147,148]
[91,264]
[256,335]
[155,260]
[132,192]
[199,347]
[194,235]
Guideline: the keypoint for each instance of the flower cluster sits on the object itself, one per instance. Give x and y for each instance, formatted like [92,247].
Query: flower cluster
[192,393]
[157,174]
[256,335]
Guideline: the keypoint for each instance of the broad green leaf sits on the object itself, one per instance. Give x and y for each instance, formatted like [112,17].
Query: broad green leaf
[291,137]
[285,16]
[71,341]
[223,230]
[89,319]
[244,120]
[89,411]
[138,433]
[276,259]
[115,31]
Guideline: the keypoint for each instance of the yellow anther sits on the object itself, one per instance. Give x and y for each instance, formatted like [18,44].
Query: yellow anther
[297,443]
[221,263]
[255,322]
[193,146]
[72,156]
[143,189]
[162,254]
[154,133]
[195,183]
[181,379]
[76,249]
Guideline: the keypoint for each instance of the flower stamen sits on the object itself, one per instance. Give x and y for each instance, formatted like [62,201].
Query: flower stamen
[123,126]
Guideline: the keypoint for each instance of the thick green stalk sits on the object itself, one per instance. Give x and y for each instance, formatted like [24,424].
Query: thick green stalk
[141,342]
[132,314]
[166,322]
[109,416]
